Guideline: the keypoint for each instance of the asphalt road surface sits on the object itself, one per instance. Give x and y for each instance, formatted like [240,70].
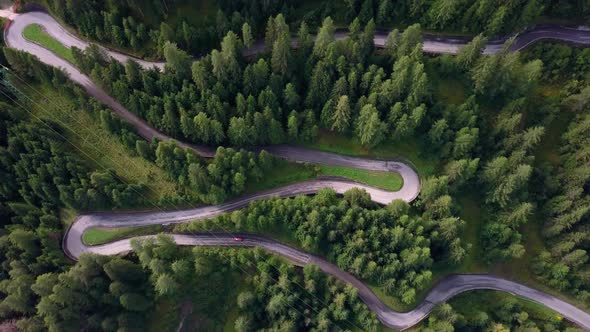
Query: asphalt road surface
[444,290]
[441,292]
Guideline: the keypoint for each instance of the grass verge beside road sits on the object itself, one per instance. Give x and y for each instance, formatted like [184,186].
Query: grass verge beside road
[390,181]
[281,174]
[407,150]
[35,33]
[285,172]
[96,236]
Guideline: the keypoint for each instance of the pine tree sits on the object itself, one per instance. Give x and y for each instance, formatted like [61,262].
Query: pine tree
[293,126]
[247,35]
[409,40]
[304,40]
[341,117]
[443,11]
[281,52]
[392,43]
[177,60]
[319,87]
[384,12]
[324,38]
[369,128]
[238,132]
[470,53]
[290,97]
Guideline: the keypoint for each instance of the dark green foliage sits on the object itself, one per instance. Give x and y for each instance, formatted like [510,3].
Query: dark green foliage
[232,101]
[504,74]
[122,24]
[30,246]
[223,177]
[506,179]
[565,263]
[44,172]
[561,62]
[41,174]
[277,301]
[107,22]
[502,143]
[491,311]
[30,68]
[98,293]
[382,105]
[491,16]
[384,246]
[274,294]
[144,27]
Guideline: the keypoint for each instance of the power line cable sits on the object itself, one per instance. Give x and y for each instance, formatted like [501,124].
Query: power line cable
[147,200]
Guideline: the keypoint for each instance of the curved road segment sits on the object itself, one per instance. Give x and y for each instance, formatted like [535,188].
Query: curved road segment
[444,290]
[441,292]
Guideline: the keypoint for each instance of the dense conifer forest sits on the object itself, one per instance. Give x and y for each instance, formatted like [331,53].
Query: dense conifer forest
[500,143]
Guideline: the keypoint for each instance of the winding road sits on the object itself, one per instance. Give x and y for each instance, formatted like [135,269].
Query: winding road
[445,289]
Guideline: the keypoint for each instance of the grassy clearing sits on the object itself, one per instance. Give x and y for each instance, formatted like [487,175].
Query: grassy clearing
[214,302]
[548,150]
[96,236]
[474,217]
[385,180]
[571,20]
[281,174]
[448,90]
[519,270]
[284,173]
[35,33]
[93,143]
[410,150]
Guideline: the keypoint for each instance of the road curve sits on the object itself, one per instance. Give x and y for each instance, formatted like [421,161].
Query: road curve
[444,290]
[431,43]
[15,39]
